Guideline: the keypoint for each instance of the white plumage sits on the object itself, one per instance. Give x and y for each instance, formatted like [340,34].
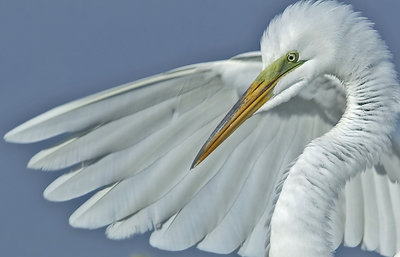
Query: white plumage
[317,165]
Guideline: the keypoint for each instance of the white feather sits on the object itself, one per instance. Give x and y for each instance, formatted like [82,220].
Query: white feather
[107,105]
[394,189]
[387,230]
[371,226]
[354,213]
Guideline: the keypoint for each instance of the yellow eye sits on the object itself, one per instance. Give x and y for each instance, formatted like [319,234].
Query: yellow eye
[292,57]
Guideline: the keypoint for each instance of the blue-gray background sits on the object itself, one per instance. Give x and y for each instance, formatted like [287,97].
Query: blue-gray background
[52,52]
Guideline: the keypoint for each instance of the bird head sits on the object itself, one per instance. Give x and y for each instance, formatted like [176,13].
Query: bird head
[313,30]
[298,46]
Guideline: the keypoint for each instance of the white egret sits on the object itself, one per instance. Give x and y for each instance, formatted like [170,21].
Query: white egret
[316,166]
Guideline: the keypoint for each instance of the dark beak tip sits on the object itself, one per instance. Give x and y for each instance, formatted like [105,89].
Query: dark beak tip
[193,165]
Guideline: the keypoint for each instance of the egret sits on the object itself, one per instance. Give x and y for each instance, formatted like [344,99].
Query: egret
[305,159]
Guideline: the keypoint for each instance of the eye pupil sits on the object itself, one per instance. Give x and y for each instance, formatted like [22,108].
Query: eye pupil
[291,57]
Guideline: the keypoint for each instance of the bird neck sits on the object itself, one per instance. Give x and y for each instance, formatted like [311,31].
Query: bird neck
[300,222]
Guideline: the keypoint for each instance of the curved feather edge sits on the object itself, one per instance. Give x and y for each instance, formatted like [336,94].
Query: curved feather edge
[27,132]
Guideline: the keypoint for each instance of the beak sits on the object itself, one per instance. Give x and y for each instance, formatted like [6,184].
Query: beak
[259,92]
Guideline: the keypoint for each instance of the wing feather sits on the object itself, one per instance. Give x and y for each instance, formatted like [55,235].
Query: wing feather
[387,232]
[371,225]
[354,213]
[109,105]
[395,201]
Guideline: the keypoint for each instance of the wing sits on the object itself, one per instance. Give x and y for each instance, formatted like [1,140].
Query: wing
[133,145]
[368,209]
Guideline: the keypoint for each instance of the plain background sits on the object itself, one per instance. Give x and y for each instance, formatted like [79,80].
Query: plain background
[52,52]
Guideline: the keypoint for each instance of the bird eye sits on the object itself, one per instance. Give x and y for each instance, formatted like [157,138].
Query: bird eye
[292,57]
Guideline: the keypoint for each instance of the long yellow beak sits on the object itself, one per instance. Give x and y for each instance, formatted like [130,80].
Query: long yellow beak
[259,92]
